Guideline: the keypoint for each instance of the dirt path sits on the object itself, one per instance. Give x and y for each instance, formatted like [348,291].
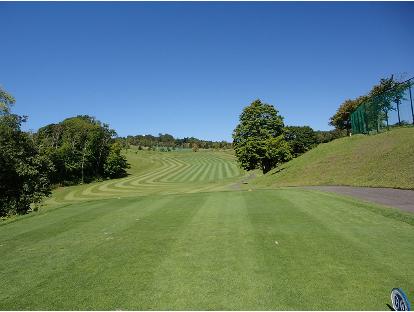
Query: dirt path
[402,199]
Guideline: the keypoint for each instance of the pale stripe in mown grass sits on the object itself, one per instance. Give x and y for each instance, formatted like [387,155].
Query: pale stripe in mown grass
[198,173]
[189,173]
[176,165]
[173,176]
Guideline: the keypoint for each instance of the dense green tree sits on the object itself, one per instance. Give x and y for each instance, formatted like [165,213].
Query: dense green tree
[258,139]
[78,147]
[328,136]
[300,139]
[115,164]
[23,170]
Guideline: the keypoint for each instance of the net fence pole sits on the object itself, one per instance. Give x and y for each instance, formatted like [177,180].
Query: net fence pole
[366,125]
[411,101]
[398,111]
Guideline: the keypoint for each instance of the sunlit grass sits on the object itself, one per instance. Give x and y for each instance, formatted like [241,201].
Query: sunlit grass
[382,160]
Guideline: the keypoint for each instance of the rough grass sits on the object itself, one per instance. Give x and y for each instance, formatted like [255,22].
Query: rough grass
[382,160]
[241,250]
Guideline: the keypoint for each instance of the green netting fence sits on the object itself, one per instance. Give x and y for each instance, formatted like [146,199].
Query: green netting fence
[393,107]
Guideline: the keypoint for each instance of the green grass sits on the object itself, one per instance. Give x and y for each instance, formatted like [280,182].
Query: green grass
[383,160]
[159,173]
[206,251]
[176,235]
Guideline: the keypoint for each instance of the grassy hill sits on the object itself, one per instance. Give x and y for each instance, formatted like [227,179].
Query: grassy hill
[382,160]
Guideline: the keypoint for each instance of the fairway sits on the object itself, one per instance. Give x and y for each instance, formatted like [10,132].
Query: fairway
[160,173]
[166,238]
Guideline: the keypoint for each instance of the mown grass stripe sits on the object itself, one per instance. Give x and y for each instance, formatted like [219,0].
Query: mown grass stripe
[164,173]
[198,173]
[208,168]
[190,173]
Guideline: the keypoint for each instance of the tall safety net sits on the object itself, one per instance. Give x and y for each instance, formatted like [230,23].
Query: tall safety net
[393,107]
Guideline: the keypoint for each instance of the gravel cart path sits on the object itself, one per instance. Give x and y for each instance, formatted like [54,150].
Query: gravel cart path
[402,199]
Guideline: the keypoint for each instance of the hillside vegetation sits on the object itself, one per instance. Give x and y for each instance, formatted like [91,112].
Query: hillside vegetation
[382,160]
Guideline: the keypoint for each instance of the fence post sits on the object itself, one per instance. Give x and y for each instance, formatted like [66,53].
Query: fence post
[398,111]
[366,119]
[411,100]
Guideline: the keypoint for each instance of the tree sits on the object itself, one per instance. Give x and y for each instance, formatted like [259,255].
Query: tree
[6,101]
[195,147]
[383,96]
[328,136]
[23,170]
[300,139]
[115,163]
[78,147]
[341,119]
[258,139]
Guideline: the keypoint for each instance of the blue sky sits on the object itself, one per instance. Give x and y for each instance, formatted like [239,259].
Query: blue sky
[188,69]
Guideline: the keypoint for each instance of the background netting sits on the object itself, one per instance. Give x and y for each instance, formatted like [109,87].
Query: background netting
[393,107]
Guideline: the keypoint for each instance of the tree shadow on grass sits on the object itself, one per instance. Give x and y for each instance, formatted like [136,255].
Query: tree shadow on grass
[279,170]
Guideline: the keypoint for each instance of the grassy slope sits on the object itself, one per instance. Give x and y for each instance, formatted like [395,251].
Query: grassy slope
[205,251]
[383,160]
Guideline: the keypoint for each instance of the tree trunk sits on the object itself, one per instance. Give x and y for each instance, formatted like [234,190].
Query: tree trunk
[386,117]
[398,111]
[266,166]
[83,161]
[104,142]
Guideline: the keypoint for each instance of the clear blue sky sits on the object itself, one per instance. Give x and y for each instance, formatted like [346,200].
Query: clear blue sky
[188,69]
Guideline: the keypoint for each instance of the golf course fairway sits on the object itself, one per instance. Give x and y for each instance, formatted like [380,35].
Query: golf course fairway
[179,233]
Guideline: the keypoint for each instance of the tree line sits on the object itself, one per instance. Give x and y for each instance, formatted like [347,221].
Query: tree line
[167,142]
[77,150]
[301,138]
[379,102]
